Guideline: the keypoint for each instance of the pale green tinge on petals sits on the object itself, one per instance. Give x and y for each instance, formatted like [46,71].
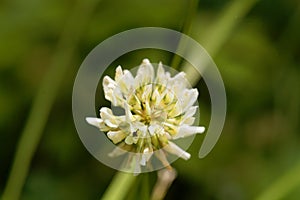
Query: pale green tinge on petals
[116,136]
[158,109]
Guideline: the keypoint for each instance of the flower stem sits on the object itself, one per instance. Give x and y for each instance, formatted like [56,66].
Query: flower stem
[119,187]
[44,99]
[145,190]
[283,185]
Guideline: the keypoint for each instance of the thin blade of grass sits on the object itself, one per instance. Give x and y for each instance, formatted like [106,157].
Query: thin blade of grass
[43,101]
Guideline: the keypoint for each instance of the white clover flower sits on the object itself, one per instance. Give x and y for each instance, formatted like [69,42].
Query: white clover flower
[158,109]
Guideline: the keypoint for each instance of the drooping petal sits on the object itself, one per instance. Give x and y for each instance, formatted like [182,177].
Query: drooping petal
[109,118]
[97,122]
[94,121]
[176,150]
[116,136]
[146,155]
[186,130]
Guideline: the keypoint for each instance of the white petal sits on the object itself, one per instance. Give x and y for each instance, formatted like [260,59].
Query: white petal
[188,116]
[129,140]
[178,84]
[188,98]
[129,116]
[125,83]
[111,124]
[94,121]
[143,160]
[160,95]
[152,128]
[147,92]
[135,139]
[177,110]
[179,78]
[145,74]
[176,150]
[106,113]
[190,111]
[169,97]
[140,129]
[116,136]
[170,128]
[186,130]
[108,84]
[188,121]
[156,97]
[109,118]
[112,92]
[160,71]
[146,155]
[128,76]
[162,77]
[119,73]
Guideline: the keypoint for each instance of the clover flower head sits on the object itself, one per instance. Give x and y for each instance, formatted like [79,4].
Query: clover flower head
[158,109]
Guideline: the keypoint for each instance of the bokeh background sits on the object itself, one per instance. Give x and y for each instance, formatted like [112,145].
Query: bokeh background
[255,44]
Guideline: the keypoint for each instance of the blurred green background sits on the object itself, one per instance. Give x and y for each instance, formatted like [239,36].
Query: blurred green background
[255,44]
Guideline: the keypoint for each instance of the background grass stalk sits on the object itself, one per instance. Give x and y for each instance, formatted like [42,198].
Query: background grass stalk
[281,187]
[219,32]
[191,12]
[43,101]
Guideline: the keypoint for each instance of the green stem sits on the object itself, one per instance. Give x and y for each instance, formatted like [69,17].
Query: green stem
[284,185]
[44,99]
[119,186]
[191,12]
[145,187]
